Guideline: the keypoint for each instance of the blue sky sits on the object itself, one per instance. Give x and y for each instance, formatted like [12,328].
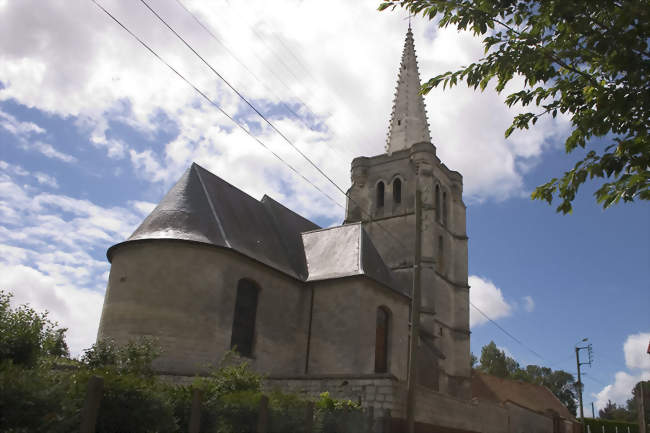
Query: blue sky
[94,131]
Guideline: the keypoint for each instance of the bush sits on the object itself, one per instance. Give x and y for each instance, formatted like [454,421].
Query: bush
[338,415]
[26,336]
[36,400]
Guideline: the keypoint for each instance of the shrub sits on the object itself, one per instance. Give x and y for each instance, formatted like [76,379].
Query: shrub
[36,400]
[596,425]
[26,336]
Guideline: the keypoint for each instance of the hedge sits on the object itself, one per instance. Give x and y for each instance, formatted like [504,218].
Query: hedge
[596,426]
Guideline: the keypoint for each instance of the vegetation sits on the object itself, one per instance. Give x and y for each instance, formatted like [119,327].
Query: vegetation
[627,413]
[27,336]
[494,361]
[608,426]
[588,60]
[43,390]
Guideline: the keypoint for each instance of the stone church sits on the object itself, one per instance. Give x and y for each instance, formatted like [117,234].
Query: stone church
[212,269]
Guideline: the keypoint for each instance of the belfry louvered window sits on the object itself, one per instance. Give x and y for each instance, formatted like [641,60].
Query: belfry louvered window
[243,324]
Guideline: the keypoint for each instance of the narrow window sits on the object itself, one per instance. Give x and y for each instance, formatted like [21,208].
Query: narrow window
[380,194]
[381,340]
[243,324]
[441,253]
[444,208]
[437,202]
[399,122]
[397,191]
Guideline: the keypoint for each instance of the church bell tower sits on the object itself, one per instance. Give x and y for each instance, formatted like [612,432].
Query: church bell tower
[382,197]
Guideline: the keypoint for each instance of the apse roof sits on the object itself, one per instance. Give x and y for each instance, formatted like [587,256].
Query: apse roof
[202,207]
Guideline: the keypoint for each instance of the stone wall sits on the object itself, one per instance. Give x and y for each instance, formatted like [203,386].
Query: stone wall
[380,391]
[445,292]
[183,294]
[344,327]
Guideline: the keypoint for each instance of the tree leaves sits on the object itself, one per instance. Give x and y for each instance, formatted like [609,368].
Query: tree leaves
[587,59]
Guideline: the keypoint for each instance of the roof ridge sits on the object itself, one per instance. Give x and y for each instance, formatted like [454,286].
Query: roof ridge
[194,167]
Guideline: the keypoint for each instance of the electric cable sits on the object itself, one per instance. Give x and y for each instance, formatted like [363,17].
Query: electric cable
[278,98]
[281,134]
[243,98]
[215,104]
[508,333]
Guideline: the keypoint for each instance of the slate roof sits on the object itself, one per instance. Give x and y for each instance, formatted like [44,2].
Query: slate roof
[535,397]
[344,251]
[204,208]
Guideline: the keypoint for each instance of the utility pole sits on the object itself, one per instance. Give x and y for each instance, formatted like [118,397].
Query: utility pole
[593,414]
[578,364]
[415,316]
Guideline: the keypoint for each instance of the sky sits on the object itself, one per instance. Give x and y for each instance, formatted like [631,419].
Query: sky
[94,130]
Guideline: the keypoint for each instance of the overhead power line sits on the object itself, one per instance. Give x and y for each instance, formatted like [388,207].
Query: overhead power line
[280,133]
[243,98]
[211,102]
[508,333]
[270,90]
[223,45]
[261,143]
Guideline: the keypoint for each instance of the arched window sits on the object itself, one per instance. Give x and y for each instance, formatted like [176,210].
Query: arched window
[381,340]
[397,191]
[437,202]
[380,194]
[444,208]
[243,323]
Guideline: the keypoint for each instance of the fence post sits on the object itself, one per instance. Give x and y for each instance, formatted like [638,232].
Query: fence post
[263,415]
[195,412]
[89,412]
[309,417]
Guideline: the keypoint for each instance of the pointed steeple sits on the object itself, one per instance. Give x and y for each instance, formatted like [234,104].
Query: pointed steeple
[408,121]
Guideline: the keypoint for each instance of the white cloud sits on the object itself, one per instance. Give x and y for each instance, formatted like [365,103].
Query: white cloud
[635,349]
[17,127]
[49,151]
[45,254]
[621,390]
[73,307]
[77,62]
[25,132]
[143,207]
[489,299]
[529,304]
[637,359]
[46,179]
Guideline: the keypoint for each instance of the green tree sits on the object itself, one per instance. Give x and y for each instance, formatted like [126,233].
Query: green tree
[26,335]
[588,59]
[494,361]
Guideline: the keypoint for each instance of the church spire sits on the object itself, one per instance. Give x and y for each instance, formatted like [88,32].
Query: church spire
[408,121]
